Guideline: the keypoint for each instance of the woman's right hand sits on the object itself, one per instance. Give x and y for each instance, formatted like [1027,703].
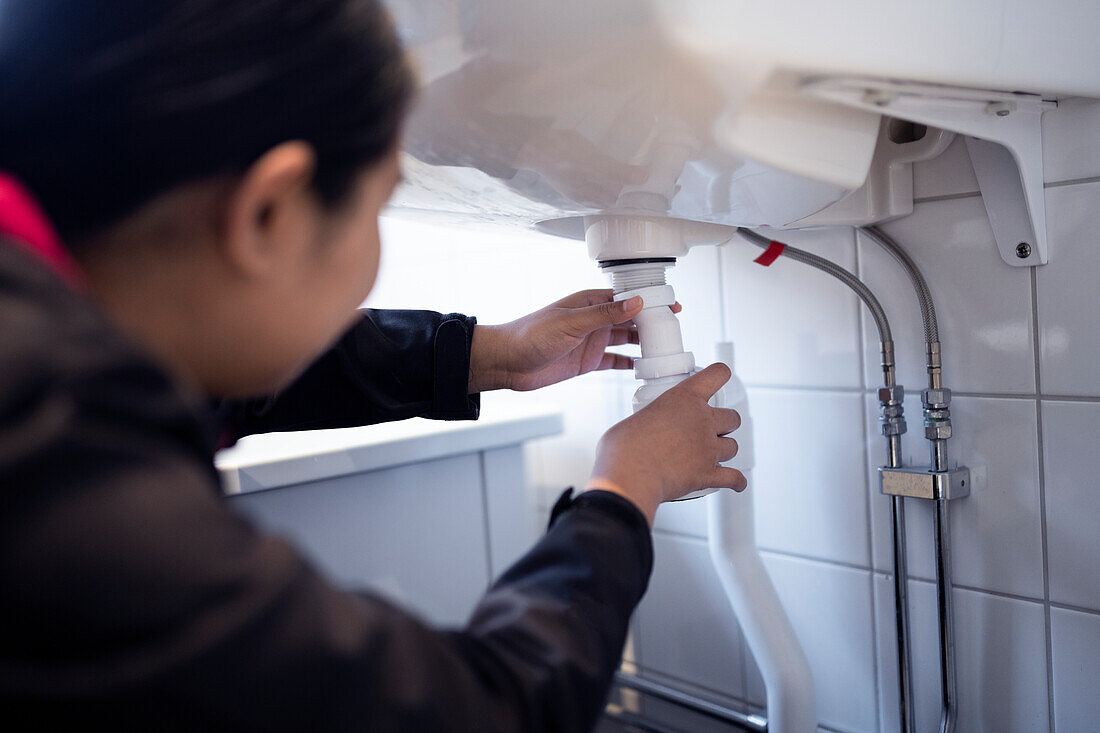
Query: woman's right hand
[672,447]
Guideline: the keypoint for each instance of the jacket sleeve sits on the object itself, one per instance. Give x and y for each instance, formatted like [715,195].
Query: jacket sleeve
[391,365]
[132,592]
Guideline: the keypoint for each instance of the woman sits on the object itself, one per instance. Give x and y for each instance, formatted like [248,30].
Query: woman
[188,212]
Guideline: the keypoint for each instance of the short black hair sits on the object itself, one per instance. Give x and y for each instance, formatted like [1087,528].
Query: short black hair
[105,104]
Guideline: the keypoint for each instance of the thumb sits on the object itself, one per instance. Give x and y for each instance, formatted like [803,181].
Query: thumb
[591,318]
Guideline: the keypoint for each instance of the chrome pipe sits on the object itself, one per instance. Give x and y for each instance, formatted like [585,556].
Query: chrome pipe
[938,448]
[901,616]
[893,451]
[706,708]
[901,597]
[946,613]
[945,606]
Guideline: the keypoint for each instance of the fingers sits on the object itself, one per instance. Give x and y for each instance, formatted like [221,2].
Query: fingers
[582,321]
[707,382]
[727,478]
[621,336]
[727,449]
[676,307]
[615,361]
[727,420]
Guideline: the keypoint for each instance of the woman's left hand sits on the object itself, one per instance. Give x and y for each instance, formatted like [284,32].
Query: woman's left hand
[562,340]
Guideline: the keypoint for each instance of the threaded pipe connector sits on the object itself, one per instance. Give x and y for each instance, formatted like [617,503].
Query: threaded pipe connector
[636,276]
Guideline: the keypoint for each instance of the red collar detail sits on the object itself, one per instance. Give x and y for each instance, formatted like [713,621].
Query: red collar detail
[22,219]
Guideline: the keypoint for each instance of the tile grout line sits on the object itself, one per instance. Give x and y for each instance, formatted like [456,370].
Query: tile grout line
[977,194]
[1076,609]
[1042,495]
[861,337]
[784,554]
[947,197]
[975,589]
[1067,398]
[1071,182]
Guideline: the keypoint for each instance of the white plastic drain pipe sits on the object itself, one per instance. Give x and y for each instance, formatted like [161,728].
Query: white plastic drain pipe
[636,251]
[792,706]
[663,363]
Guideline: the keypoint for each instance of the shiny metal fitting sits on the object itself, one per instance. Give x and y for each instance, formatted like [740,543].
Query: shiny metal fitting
[940,430]
[936,398]
[891,411]
[935,414]
[886,349]
[891,395]
[923,483]
[892,426]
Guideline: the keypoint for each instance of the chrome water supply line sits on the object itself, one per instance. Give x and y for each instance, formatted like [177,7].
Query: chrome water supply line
[945,484]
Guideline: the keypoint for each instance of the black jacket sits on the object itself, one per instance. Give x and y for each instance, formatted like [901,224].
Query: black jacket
[130,595]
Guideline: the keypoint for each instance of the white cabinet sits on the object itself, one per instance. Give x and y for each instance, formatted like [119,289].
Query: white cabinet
[425,518]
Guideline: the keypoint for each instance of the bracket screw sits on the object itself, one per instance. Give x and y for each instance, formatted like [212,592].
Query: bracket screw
[1023,250]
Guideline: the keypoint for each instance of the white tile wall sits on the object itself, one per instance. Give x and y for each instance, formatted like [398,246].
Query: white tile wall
[1001,648]
[984,306]
[1070,431]
[1076,641]
[699,292]
[1069,332]
[684,627]
[831,610]
[1025,539]
[810,482]
[1070,132]
[793,325]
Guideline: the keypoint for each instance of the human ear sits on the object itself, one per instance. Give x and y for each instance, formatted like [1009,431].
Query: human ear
[272,212]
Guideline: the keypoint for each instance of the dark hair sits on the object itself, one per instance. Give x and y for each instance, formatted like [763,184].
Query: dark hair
[105,105]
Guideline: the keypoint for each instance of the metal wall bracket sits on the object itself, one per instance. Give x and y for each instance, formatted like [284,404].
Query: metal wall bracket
[1005,141]
[920,482]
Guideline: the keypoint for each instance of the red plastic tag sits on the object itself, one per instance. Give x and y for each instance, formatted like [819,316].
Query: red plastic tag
[771,254]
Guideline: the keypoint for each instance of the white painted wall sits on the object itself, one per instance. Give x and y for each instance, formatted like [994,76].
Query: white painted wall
[1022,352]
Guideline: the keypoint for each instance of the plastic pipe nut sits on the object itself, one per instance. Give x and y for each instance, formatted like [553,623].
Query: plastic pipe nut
[656,367]
[652,297]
